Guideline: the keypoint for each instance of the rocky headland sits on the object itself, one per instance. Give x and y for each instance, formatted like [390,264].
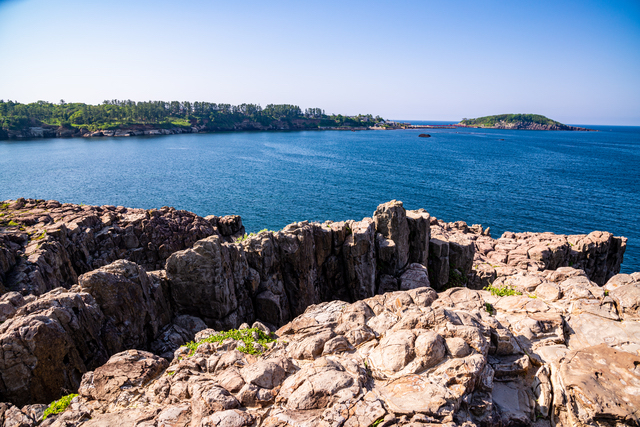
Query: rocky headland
[397,319]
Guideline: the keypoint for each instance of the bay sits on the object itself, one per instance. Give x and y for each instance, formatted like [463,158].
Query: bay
[564,182]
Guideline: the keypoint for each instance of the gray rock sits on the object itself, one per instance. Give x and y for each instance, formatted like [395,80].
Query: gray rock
[391,222]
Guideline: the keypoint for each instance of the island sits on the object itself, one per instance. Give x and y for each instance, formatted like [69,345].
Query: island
[128,118]
[518,121]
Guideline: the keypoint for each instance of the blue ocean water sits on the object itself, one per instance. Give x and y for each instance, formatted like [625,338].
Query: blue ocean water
[565,182]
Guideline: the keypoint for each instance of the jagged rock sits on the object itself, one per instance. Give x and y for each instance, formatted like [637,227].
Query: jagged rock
[419,235]
[135,307]
[183,329]
[208,281]
[461,253]
[59,242]
[48,345]
[399,351]
[359,259]
[391,222]
[9,305]
[438,262]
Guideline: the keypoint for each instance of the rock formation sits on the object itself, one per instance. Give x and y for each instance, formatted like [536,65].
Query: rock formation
[46,244]
[362,335]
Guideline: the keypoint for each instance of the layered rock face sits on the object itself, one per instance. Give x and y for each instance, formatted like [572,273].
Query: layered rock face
[365,336]
[45,244]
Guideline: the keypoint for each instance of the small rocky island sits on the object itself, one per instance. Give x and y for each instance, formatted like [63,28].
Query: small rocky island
[132,317]
[519,121]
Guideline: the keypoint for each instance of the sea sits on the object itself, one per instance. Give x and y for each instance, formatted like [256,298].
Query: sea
[508,180]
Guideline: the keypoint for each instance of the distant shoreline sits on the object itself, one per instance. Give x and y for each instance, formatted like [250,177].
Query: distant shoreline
[39,132]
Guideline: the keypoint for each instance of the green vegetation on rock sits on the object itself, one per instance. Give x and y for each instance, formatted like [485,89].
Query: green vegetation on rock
[246,236]
[491,121]
[248,336]
[59,405]
[502,291]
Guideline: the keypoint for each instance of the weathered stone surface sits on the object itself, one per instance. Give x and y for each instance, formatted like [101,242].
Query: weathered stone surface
[59,242]
[48,345]
[438,262]
[359,258]
[399,352]
[135,307]
[209,281]
[124,371]
[416,276]
[599,383]
[184,328]
[391,222]
[419,235]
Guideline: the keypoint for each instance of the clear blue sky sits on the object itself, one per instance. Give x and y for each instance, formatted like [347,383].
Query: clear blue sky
[574,61]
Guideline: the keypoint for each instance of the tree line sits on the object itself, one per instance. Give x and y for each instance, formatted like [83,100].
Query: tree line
[114,113]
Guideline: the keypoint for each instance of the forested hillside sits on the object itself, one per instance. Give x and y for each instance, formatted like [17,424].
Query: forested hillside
[117,114]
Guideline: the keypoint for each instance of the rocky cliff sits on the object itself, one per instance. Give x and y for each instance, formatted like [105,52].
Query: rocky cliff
[363,335]
[46,244]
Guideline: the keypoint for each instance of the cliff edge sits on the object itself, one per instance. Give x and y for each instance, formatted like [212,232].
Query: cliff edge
[398,319]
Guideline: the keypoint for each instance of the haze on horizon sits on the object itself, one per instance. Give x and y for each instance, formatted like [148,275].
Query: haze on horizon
[577,62]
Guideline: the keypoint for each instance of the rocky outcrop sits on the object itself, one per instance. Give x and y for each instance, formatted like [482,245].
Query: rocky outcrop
[275,276]
[46,244]
[47,343]
[406,358]
[365,334]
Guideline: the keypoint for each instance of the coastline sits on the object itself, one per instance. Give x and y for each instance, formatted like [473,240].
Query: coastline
[38,132]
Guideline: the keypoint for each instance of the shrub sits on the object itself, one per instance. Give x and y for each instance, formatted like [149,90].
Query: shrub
[489,308]
[59,405]
[244,335]
[502,291]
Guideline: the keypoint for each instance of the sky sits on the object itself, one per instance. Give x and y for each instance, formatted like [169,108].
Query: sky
[577,62]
